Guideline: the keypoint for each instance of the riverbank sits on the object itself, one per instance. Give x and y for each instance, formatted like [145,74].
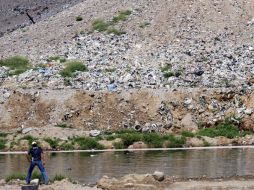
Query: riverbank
[62,138]
[147,182]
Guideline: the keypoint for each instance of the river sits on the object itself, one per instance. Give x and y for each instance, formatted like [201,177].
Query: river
[88,167]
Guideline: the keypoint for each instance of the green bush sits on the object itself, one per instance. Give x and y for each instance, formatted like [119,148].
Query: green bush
[66,146]
[87,143]
[63,125]
[3,134]
[20,176]
[52,142]
[72,67]
[16,64]
[144,24]
[168,74]
[29,138]
[122,16]
[2,144]
[100,25]
[114,31]
[118,145]
[58,177]
[79,18]
[57,58]
[226,130]
[175,142]
[153,140]
[187,134]
[129,138]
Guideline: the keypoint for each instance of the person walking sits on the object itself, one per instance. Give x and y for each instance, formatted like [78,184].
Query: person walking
[35,157]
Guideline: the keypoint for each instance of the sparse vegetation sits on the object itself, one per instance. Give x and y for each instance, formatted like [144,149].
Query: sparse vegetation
[63,125]
[57,58]
[66,146]
[20,176]
[227,129]
[2,143]
[79,18]
[113,30]
[144,24]
[16,64]
[36,175]
[52,142]
[118,145]
[166,70]
[3,134]
[102,26]
[122,16]
[72,67]
[58,177]
[87,143]
[187,134]
[29,138]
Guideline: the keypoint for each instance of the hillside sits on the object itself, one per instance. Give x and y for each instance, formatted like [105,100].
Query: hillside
[194,59]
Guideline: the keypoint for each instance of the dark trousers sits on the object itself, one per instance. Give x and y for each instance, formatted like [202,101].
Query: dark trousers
[41,168]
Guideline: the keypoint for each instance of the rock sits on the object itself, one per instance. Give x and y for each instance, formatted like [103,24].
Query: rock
[26,130]
[188,124]
[159,176]
[107,144]
[138,145]
[247,124]
[94,133]
[194,142]
[45,145]
[248,111]
[34,182]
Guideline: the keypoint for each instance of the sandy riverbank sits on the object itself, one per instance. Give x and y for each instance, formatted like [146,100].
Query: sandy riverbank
[147,182]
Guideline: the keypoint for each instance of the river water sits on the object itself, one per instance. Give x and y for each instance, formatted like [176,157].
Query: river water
[89,167]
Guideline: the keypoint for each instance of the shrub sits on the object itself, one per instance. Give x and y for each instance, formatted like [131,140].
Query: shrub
[187,134]
[129,138]
[122,16]
[14,176]
[52,142]
[144,24]
[79,18]
[20,176]
[100,25]
[29,138]
[2,144]
[110,137]
[118,145]
[72,67]
[58,177]
[63,125]
[115,31]
[153,140]
[168,74]
[57,58]
[226,130]
[87,143]
[66,146]
[16,64]
[3,134]
[175,142]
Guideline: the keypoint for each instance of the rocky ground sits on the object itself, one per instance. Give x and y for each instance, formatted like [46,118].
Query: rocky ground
[147,182]
[13,12]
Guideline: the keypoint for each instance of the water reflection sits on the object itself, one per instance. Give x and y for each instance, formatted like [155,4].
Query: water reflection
[89,167]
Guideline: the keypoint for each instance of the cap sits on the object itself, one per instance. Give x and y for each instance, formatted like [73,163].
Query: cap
[33,143]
